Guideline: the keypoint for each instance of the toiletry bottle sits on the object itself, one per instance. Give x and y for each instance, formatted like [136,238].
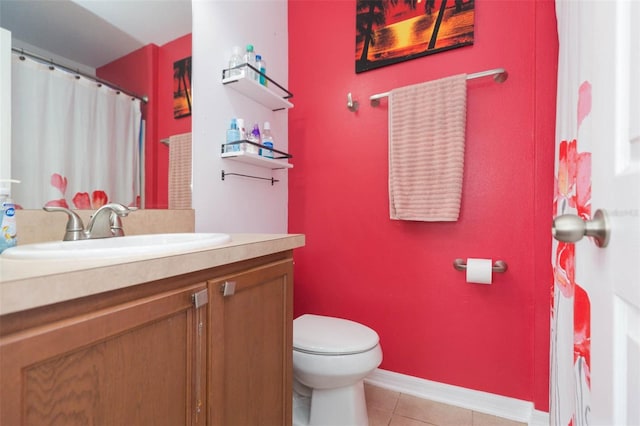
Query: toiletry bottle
[250,58]
[267,140]
[243,133]
[261,65]
[254,136]
[8,231]
[234,61]
[233,135]
[241,128]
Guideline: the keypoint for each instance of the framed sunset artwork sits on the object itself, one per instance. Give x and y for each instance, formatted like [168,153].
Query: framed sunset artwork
[182,88]
[392,31]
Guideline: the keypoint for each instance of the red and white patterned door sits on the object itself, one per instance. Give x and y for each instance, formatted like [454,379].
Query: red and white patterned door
[595,347]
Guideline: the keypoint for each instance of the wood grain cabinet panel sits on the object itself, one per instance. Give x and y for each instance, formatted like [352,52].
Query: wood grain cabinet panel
[131,364]
[251,347]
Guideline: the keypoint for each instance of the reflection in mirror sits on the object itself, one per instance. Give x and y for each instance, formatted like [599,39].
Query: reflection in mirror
[88,134]
[91,37]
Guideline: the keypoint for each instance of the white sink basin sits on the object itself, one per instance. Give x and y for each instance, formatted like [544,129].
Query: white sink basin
[118,247]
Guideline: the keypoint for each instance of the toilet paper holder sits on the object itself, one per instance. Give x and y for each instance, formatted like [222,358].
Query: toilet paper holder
[498,265]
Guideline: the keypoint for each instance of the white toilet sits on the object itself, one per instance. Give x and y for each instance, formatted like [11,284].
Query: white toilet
[331,357]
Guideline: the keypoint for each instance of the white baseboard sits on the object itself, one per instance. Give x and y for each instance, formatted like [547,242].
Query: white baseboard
[484,402]
[539,418]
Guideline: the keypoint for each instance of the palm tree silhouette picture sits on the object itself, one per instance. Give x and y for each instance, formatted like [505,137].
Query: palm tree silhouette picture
[392,31]
[182,88]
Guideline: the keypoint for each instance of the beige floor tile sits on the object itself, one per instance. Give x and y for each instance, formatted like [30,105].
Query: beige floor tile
[390,408]
[405,421]
[432,412]
[481,419]
[378,417]
[380,398]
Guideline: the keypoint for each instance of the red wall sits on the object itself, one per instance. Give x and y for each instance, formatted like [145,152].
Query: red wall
[168,125]
[149,71]
[397,276]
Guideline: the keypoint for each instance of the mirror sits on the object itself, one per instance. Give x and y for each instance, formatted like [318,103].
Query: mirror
[86,35]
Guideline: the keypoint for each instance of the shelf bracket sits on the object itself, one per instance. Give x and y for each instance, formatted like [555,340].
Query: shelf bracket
[249,176]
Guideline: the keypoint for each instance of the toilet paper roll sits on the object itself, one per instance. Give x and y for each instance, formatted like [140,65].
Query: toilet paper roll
[479,271]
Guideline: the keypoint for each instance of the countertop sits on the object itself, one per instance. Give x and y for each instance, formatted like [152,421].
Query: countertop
[26,284]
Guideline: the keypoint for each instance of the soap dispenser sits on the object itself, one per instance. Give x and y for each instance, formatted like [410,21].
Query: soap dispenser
[8,228]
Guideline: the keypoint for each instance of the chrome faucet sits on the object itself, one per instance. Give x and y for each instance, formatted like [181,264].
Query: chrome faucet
[104,223]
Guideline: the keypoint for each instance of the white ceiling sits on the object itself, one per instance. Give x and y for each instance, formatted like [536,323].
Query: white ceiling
[94,32]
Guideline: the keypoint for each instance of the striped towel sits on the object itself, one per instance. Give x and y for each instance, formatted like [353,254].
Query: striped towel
[180,171]
[426,149]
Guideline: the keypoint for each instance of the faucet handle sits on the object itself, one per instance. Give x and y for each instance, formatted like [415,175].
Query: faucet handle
[115,223]
[75,227]
[118,210]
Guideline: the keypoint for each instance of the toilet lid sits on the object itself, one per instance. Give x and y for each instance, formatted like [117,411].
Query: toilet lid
[327,335]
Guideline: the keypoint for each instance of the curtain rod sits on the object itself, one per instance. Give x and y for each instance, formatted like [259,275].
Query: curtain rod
[499,76]
[52,64]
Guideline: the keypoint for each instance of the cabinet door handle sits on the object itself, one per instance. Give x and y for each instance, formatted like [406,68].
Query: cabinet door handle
[228,288]
[200,298]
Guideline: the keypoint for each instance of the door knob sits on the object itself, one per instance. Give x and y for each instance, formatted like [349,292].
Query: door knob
[570,228]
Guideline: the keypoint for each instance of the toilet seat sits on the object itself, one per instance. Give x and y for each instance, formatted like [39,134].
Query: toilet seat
[321,335]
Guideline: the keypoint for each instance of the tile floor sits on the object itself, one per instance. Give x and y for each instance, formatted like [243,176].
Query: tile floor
[390,408]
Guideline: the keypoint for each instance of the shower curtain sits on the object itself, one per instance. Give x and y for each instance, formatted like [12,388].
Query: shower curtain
[570,361]
[75,143]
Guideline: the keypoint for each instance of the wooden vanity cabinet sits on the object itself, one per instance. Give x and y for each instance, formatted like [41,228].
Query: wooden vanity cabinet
[179,351]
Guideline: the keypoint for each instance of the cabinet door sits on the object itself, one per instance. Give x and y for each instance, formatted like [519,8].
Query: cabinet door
[138,363]
[251,347]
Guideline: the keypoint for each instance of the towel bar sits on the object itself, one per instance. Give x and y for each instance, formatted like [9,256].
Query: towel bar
[500,75]
[272,180]
[498,266]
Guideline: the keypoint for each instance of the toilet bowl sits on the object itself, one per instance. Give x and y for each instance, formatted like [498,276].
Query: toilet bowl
[331,357]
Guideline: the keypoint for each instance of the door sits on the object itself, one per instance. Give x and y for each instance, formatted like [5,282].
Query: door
[598,168]
[251,346]
[141,362]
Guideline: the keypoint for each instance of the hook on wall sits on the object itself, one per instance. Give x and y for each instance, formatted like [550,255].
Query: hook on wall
[351,104]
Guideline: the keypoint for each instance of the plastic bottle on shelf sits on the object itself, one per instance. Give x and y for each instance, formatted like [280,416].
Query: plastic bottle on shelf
[250,58]
[255,137]
[8,231]
[234,61]
[261,65]
[267,141]
[233,135]
[243,133]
